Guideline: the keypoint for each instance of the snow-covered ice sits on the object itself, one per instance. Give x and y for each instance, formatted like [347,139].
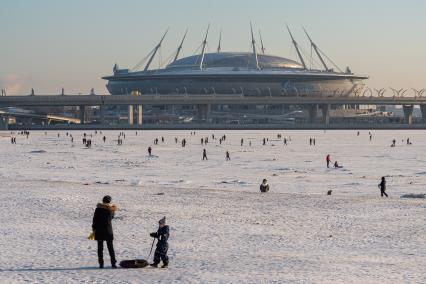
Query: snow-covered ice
[222,229]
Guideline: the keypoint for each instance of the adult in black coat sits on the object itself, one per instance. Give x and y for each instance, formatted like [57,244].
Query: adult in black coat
[102,227]
[162,245]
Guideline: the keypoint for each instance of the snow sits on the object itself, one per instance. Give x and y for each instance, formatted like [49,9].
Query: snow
[222,229]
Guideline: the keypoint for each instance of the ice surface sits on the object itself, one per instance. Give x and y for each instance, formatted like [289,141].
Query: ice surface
[222,229]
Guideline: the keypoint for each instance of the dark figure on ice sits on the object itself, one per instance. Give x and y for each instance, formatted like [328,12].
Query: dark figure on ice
[104,139]
[204,154]
[328,160]
[285,141]
[264,187]
[382,186]
[227,158]
[162,246]
[242,142]
[336,165]
[149,150]
[310,141]
[102,228]
[393,143]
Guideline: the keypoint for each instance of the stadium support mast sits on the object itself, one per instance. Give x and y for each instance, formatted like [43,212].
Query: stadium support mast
[316,50]
[180,46]
[297,48]
[203,51]
[253,43]
[219,48]
[154,52]
[261,43]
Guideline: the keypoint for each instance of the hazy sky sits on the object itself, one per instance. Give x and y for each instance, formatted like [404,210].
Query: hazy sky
[50,44]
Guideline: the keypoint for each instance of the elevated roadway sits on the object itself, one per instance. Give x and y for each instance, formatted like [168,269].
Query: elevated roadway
[313,104]
[97,100]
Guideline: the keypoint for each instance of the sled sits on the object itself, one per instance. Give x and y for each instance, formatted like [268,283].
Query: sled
[134,263]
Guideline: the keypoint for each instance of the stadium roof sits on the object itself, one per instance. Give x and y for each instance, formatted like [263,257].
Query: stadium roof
[235,60]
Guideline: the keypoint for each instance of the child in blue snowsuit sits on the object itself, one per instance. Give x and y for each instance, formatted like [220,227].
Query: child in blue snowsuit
[162,246]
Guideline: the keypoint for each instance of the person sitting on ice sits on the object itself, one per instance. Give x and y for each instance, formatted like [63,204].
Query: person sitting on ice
[336,165]
[162,235]
[264,187]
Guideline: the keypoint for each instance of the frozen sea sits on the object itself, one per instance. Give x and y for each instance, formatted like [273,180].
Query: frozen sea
[222,229]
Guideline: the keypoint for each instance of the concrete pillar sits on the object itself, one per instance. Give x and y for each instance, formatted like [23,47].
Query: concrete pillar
[82,114]
[408,114]
[312,113]
[208,111]
[203,112]
[4,121]
[423,110]
[325,109]
[130,115]
[102,113]
[139,115]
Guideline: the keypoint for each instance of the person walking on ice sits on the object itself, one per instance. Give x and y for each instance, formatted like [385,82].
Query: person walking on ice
[227,158]
[162,235]
[382,186]
[204,154]
[102,228]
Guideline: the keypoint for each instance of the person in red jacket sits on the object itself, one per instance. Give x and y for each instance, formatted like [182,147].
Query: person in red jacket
[328,160]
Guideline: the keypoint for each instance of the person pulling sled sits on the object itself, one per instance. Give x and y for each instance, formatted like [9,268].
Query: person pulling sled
[162,235]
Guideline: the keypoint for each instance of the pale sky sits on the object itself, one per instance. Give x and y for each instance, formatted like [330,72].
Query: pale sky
[50,44]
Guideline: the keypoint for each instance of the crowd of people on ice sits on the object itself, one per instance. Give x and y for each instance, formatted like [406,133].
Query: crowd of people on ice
[105,211]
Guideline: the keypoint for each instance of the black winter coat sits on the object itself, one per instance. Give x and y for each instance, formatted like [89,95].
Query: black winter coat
[162,235]
[264,188]
[382,185]
[102,226]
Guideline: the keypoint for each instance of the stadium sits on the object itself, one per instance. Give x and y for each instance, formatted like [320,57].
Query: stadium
[234,73]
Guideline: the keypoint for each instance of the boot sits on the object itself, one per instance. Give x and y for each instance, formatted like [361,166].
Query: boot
[113,264]
[165,265]
[101,265]
[154,265]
